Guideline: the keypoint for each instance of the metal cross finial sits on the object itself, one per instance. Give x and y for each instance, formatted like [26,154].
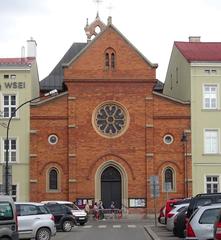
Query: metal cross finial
[110,7]
[98,2]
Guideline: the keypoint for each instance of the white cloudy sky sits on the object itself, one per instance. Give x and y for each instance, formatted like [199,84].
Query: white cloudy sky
[150,25]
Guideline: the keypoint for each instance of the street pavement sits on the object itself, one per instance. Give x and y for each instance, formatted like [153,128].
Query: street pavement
[126,228]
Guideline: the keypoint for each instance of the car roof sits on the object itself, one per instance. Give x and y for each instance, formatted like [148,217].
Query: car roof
[30,203]
[210,206]
[60,202]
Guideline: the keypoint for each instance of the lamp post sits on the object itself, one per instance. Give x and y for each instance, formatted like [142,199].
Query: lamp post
[13,114]
[184,139]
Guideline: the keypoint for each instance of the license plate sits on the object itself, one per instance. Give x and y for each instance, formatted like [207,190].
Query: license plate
[81,218]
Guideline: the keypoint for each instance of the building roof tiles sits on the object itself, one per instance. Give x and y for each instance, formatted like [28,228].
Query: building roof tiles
[16,61]
[200,51]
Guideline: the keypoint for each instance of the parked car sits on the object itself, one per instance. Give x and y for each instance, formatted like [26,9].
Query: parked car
[217,227]
[8,219]
[161,217]
[64,219]
[171,202]
[79,214]
[34,221]
[180,224]
[202,199]
[200,224]
[171,215]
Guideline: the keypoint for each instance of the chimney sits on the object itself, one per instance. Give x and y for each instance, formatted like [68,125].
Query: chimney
[31,48]
[109,20]
[194,39]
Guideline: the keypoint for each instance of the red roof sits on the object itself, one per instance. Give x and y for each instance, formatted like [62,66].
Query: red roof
[16,61]
[200,51]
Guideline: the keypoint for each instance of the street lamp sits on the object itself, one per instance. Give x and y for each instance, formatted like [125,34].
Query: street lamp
[13,114]
[184,139]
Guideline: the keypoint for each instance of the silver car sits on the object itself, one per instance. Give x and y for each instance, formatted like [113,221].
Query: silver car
[200,224]
[34,221]
[171,215]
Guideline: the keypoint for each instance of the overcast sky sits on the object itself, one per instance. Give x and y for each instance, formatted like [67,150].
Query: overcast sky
[150,25]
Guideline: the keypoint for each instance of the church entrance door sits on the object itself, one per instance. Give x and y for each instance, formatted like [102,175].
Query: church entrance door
[111,187]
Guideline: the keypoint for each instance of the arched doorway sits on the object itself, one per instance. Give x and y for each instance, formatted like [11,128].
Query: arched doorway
[111,187]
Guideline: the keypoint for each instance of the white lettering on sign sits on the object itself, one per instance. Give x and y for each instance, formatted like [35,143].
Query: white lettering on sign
[15,85]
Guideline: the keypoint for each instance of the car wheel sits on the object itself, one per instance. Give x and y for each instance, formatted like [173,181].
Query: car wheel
[43,234]
[67,226]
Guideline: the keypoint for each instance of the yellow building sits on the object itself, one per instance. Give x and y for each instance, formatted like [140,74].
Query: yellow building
[19,82]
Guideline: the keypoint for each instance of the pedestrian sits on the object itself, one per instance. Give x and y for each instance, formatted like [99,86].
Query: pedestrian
[101,210]
[87,208]
[96,211]
[112,207]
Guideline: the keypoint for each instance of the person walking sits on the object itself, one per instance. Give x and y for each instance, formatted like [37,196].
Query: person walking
[101,210]
[87,208]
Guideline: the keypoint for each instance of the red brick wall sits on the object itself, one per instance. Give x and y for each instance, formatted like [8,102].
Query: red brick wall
[81,150]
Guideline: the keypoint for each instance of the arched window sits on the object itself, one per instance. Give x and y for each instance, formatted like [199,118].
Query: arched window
[53,179]
[107,60]
[110,59]
[169,179]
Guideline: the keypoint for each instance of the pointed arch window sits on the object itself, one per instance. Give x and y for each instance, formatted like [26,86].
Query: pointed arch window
[107,60]
[53,179]
[169,184]
[110,59]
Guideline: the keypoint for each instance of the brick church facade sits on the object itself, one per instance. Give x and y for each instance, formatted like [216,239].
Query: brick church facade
[109,130]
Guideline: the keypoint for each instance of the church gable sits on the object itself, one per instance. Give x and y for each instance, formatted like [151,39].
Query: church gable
[110,55]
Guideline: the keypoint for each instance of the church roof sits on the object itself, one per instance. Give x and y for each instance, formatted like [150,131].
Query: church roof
[200,51]
[55,79]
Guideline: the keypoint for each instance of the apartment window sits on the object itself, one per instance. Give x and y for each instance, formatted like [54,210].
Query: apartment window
[9,105]
[12,150]
[13,191]
[169,179]
[212,184]
[211,141]
[53,179]
[210,95]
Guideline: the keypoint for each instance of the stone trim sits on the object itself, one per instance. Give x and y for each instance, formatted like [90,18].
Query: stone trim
[72,180]
[149,126]
[148,98]
[33,181]
[149,154]
[32,155]
[72,126]
[33,131]
[71,98]
[72,155]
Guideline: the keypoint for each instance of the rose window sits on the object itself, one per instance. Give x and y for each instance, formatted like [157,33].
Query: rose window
[110,119]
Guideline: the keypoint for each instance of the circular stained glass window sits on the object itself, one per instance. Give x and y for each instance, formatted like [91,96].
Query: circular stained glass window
[110,119]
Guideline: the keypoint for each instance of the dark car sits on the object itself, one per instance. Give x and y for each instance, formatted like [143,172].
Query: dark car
[63,217]
[201,200]
[180,223]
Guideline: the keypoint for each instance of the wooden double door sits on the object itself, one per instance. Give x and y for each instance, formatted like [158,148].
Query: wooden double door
[111,187]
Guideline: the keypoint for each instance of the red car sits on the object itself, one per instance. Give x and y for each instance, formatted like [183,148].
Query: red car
[217,228]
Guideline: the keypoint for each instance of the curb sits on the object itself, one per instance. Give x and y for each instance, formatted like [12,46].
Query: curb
[151,233]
